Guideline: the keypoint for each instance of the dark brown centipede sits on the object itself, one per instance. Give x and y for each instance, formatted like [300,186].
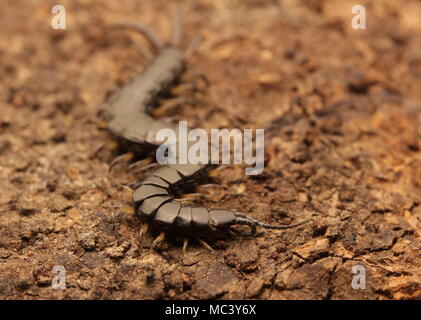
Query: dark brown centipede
[127,114]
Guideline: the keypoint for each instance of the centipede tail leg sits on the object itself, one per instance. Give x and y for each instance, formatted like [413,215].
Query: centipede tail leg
[246,220]
[102,124]
[169,104]
[199,79]
[112,145]
[141,163]
[143,230]
[127,192]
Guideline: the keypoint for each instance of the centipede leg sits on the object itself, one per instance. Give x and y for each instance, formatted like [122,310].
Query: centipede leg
[186,202]
[177,28]
[193,75]
[185,244]
[102,124]
[144,168]
[124,157]
[112,145]
[243,219]
[168,104]
[183,89]
[194,45]
[203,243]
[215,172]
[158,240]
[126,209]
[143,230]
[190,197]
[128,192]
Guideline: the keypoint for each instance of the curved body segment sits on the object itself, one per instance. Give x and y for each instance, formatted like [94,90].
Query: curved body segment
[126,112]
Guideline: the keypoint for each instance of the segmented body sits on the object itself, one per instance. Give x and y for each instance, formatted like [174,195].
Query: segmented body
[126,111]
[154,198]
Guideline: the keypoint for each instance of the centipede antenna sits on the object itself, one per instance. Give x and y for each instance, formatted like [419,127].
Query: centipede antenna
[177,27]
[143,50]
[246,220]
[146,32]
[141,163]
[194,45]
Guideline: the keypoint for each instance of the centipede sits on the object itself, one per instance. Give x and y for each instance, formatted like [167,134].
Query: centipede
[128,117]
